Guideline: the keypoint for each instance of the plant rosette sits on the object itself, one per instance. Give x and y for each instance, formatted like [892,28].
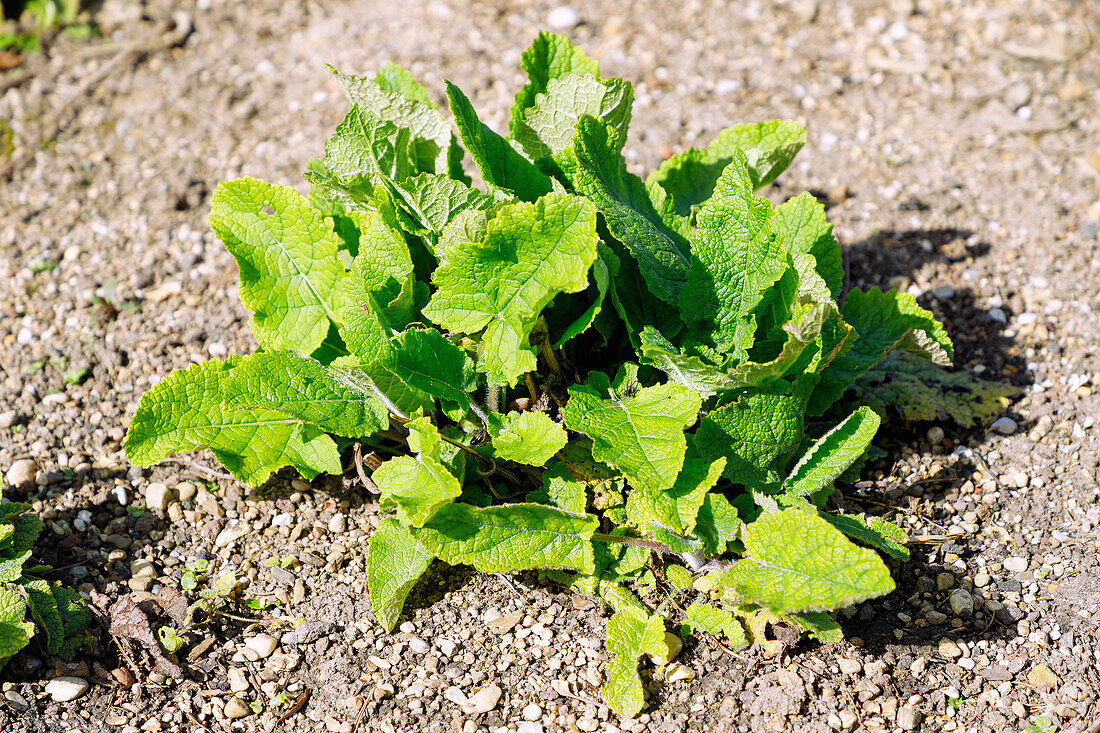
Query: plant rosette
[616,382]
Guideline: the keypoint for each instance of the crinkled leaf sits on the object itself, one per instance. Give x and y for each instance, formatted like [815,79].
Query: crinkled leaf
[72,609]
[15,633]
[759,433]
[819,625]
[631,634]
[511,537]
[393,95]
[831,455]
[883,321]
[689,370]
[531,252]
[575,320]
[882,534]
[797,561]
[11,568]
[289,272]
[561,489]
[920,390]
[717,523]
[201,407]
[548,127]
[419,486]
[734,259]
[380,289]
[27,526]
[677,506]
[550,56]
[501,165]
[395,561]
[529,437]
[600,174]
[641,434]
[43,608]
[427,203]
[769,147]
[800,226]
[717,621]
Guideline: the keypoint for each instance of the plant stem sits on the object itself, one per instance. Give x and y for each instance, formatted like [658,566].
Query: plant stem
[542,334]
[532,389]
[634,542]
[492,398]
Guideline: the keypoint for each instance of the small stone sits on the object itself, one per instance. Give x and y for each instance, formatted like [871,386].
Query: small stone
[64,689]
[945,581]
[306,632]
[909,718]
[943,292]
[675,645]
[504,624]
[935,435]
[338,524]
[186,490]
[8,418]
[935,617]
[232,533]
[236,708]
[262,644]
[949,649]
[22,473]
[238,682]
[455,695]
[1015,564]
[529,727]
[1043,676]
[122,496]
[16,702]
[677,671]
[981,579]
[418,646]
[849,666]
[158,497]
[961,602]
[562,19]
[1004,425]
[483,700]
[532,712]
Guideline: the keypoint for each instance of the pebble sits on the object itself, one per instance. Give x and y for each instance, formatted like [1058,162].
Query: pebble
[997,315]
[945,581]
[909,718]
[1015,564]
[961,602]
[158,497]
[186,490]
[935,435]
[8,418]
[122,496]
[338,524]
[532,712]
[1004,425]
[529,727]
[483,700]
[418,646]
[16,702]
[306,632]
[850,666]
[232,533]
[949,649]
[562,18]
[262,644]
[64,689]
[1043,676]
[981,579]
[236,708]
[677,671]
[238,682]
[675,645]
[22,472]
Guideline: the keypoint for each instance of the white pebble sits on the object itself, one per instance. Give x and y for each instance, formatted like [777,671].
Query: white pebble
[1015,564]
[121,495]
[262,644]
[1004,425]
[64,689]
[562,19]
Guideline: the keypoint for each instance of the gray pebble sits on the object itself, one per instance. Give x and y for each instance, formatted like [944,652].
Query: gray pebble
[962,603]
[909,718]
[22,472]
[1004,425]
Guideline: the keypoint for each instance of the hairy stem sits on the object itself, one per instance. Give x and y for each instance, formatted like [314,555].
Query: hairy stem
[634,542]
[492,398]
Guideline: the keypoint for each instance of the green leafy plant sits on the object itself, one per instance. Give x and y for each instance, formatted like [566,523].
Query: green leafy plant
[572,370]
[29,606]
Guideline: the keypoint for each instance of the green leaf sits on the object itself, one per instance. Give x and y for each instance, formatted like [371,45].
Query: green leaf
[364,146]
[800,226]
[72,609]
[662,253]
[429,202]
[678,577]
[631,634]
[717,523]
[548,127]
[768,147]
[419,486]
[529,437]
[11,568]
[561,489]
[876,532]
[640,434]
[734,259]
[202,406]
[759,433]
[531,252]
[287,260]
[831,455]
[920,390]
[395,561]
[501,165]
[717,621]
[797,561]
[688,370]
[43,608]
[883,321]
[15,633]
[379,291]
[820,625]
[550,56]
[299,387]
[676,507]
[581,320]
[511,537]
[394,96]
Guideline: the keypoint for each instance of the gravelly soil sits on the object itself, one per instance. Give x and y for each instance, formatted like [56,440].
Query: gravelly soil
[958,146]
